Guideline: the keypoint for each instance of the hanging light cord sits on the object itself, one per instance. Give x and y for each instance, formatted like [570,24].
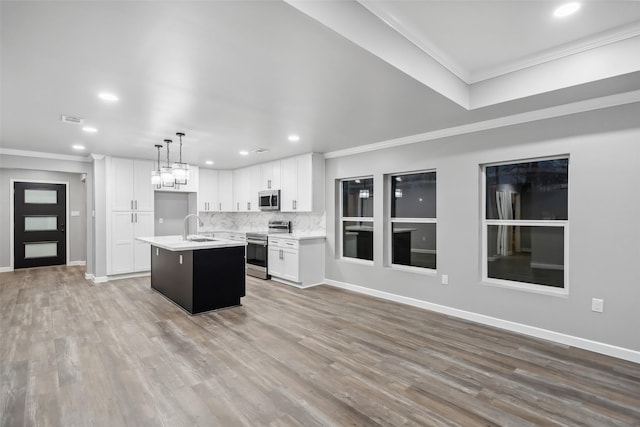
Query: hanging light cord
[180,134]
[168,141]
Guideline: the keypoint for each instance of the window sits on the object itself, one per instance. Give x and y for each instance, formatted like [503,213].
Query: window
[413,220]
[526,223]
[357,218]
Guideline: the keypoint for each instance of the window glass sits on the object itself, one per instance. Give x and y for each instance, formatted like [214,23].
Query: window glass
[357,239]
[40,223]
[526,254]
[40,249]
[49,197]
[414,244]
[536,190]
[357,198]
[413,195]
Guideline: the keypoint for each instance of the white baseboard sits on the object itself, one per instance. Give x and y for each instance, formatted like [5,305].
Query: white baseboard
[295,285]
[6,269]
[128,275]
[94,279]
[77,263]
[585,344]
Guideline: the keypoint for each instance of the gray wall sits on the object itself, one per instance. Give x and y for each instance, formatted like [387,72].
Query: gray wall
[77,226]
[604,207]
[172,208]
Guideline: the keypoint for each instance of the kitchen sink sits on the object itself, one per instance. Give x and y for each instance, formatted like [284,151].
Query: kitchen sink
[201,239]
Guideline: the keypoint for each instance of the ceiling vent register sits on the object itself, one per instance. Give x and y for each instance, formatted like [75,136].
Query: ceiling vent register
[74,120]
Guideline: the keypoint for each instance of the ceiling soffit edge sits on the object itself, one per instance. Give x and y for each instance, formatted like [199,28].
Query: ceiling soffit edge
[515,119]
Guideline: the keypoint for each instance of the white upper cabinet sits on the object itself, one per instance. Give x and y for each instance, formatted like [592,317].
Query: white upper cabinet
[270,176]
[208,191]
[225,190]
[302,180]
[241,189]
[131,187]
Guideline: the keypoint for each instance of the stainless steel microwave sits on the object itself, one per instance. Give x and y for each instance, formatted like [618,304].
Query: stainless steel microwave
[269,200]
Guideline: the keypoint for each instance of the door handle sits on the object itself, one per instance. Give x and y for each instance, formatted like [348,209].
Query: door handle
[136,205]
[248,206]
[62,228]
[136,217]
[131,204]
[220,205]
[131,216]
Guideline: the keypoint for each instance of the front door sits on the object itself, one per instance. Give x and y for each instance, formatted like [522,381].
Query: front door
[39,224]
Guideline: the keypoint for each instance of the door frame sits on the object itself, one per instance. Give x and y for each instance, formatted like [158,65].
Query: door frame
[12,182]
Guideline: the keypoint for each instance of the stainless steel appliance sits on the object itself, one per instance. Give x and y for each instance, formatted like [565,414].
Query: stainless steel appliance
[269,200]
[257,249]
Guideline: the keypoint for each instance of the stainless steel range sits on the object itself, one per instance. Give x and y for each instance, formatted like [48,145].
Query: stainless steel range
[257,249]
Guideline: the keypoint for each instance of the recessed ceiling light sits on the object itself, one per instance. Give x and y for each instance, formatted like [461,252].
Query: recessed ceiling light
[90,129]
[77,147]
[293,138]
[106,96]
[244,153]
[566,9]
[209,162]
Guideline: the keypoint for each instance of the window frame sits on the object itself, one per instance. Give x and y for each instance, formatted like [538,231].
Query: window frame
[485,223]
[391,220]
[343,219]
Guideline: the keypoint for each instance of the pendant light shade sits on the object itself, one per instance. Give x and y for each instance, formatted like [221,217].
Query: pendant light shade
[156,178]
[180,170]
[166,172]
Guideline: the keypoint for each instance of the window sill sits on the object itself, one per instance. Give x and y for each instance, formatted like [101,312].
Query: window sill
[527,287]
[357,261]
[418,270]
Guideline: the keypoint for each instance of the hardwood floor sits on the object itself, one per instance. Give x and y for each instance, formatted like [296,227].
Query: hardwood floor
[78,354]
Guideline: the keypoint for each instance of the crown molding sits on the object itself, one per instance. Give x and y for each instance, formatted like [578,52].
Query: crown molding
[603,39]
[515,119]
[43,155]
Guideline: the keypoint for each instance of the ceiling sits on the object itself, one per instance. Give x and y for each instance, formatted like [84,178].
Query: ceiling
[244,75]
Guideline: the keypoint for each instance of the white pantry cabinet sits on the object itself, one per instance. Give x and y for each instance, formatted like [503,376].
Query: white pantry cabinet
[127,254]
[296,262]
[208,191]
[131,187]
[246,184]
[130,206]
[302,183]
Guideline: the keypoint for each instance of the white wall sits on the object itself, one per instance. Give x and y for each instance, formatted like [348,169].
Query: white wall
[604,233]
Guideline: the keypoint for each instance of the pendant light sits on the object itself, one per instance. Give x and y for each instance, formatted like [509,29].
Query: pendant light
[166,172]
[156,177]
[180,170]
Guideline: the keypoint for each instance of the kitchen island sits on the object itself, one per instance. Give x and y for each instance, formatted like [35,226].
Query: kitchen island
[199,275]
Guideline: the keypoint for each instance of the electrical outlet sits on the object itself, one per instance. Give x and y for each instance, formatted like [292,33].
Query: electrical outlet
[445,279]
[597,305]
[161,220]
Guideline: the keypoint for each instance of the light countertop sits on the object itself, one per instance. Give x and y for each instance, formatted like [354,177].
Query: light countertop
[175,243]
[296,235]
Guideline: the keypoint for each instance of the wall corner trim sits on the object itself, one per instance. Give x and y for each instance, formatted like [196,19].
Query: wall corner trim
[585,344]
[95,279]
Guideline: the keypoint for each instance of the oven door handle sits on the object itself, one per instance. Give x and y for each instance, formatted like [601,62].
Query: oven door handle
[256,242]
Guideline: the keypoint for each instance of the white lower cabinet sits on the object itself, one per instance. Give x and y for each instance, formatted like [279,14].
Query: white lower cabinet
[127,254]
[296,262]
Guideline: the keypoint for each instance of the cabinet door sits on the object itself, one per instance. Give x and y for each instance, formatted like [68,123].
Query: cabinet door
[275,263]
[289,187]
[208,190]
[143,194]
[254,188]
[122,249]
[270,176]
[225,191]
[241,189]
[305,183]
[290,264]
[122,194]
[143,227]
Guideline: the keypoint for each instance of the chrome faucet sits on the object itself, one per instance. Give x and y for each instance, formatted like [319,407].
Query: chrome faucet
[186,225]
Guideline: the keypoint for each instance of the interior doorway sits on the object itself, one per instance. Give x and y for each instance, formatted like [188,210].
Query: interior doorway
[39,231]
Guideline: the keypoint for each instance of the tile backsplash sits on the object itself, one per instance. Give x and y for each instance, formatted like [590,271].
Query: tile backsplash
[257,221]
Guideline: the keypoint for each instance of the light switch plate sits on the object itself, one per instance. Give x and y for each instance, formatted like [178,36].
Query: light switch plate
[597,305]
[445,279]
[75,213]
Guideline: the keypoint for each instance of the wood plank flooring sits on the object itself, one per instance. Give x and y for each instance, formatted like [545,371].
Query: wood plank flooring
[119,354]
